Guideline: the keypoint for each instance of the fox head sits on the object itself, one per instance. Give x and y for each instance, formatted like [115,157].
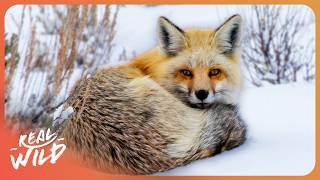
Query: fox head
[199,66]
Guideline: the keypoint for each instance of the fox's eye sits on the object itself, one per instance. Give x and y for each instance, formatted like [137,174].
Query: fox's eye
[186,72]
[214,72]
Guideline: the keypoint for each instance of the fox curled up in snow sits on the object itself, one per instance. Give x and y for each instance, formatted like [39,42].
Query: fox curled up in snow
[169,106]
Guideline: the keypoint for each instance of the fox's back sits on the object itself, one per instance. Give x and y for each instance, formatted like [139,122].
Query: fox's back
[122,121]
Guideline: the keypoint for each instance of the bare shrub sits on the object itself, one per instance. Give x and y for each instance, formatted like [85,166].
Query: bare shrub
[275,48]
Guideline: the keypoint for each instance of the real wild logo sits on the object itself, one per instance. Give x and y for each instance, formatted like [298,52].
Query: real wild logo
[35,145]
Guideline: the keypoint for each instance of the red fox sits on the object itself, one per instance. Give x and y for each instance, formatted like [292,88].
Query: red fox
[170,106]
[199,66]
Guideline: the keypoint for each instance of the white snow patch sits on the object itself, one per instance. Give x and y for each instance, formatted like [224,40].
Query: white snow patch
[61,114]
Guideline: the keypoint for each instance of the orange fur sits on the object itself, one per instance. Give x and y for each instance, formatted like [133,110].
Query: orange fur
[200,44]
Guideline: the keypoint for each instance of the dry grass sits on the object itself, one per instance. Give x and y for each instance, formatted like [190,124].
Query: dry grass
[63,41]
[30,56]
[12,61]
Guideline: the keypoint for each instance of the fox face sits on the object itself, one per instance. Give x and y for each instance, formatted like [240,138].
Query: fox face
[201,65]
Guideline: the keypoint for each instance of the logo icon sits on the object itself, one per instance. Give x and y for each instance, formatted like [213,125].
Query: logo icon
[35,145]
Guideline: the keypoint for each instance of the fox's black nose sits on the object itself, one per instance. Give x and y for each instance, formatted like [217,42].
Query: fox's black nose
[202,94]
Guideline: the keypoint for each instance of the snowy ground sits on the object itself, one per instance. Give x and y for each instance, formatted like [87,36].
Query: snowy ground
[281,139]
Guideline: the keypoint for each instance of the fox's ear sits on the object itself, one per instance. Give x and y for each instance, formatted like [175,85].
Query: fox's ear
[171,37]
[228,35]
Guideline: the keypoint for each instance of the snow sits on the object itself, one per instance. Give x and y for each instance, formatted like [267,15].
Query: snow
[136,25]
[60,115]
[281,137]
